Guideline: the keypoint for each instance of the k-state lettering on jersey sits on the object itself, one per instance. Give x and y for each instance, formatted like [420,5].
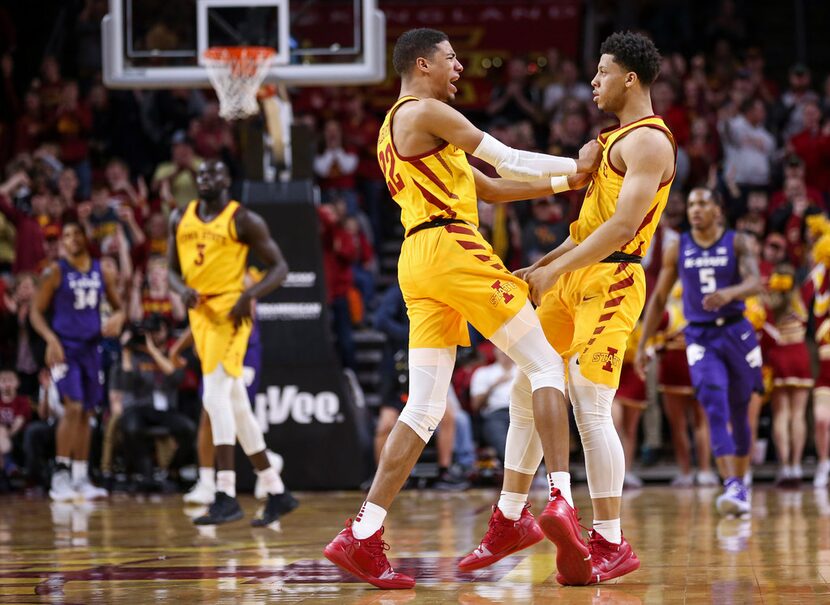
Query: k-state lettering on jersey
[705,270]
[76,306]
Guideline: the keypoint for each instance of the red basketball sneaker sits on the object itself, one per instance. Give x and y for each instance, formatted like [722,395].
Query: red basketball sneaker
[504,537]
[560,523]
[365,559]
[609,560]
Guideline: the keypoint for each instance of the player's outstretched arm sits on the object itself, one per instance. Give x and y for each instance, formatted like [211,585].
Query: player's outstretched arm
[750,277]
[49,282]
[508,190]
[189,296]
[252,230]
[657,303]
[648,155]
[445,123]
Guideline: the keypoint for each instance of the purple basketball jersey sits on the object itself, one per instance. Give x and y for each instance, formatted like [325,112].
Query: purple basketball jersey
[705,270]
[252,363]
[77,303]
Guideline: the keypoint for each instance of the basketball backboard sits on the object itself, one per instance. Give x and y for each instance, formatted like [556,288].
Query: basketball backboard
[159,43]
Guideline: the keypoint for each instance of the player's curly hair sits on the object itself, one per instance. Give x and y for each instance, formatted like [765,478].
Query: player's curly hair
[635,52]
[415,43]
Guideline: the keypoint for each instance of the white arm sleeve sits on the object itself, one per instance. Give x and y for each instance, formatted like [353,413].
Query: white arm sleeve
[521,165]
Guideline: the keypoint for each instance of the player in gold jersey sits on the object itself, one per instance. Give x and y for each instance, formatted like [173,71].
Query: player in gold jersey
[591,290]
[449,276]
[208,254]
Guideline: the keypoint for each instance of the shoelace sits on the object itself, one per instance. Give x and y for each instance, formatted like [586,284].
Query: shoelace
[377,549]
[598,543]
[494,530]
[576,512]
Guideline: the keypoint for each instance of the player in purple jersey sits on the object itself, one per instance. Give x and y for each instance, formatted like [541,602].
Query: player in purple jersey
[718,269]
[73,288]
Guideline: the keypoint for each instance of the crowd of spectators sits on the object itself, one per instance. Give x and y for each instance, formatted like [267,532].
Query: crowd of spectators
[762,143]
[120,161]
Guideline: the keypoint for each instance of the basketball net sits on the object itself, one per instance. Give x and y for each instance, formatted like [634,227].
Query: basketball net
[236,73]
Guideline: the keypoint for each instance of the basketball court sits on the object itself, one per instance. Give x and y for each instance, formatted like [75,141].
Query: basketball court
[145,550]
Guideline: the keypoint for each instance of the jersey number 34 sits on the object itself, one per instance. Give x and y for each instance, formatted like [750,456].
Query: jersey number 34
[85,299]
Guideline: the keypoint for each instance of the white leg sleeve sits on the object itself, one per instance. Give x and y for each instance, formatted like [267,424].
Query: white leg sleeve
[522,339]
[216,399]
[523,452]
[430,374]
[247,429]
[604,456]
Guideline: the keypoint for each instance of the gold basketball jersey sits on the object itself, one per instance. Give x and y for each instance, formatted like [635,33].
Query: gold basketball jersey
[212,259]
[431,185]
[601,198]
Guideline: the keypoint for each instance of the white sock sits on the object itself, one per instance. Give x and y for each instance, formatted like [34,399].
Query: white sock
[271,481]
[226,482]
[368,520]
[207,476]
[511,504]
[80,470]
[609,529]
[561,481]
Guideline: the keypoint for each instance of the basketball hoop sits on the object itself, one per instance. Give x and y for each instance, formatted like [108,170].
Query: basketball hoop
[236,73]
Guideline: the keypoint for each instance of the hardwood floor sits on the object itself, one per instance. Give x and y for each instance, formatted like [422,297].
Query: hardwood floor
[146,550]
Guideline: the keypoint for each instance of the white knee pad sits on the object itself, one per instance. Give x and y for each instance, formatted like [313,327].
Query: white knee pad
[522,339]
[604,456]
[216,398]
[523,452]
[247,429]
[430,374]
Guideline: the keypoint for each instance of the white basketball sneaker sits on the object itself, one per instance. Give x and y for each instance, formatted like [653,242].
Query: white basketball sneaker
[734,500]
[707,479]
[276,462]
[61,489]
[822,474]
[632,481]
[683,480]
[87,491]
[201,493]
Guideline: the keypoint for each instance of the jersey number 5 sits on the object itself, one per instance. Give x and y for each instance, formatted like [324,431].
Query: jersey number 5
[200,259]
[707,281]
[394,180]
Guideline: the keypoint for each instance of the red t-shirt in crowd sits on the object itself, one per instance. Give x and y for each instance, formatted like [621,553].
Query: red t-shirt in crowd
[814,150]
[19,406]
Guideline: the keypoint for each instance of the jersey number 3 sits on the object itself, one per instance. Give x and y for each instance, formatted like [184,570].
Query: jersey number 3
[200,255]
[394,180]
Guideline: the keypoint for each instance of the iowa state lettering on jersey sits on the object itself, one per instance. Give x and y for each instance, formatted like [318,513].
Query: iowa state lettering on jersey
[205,236]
